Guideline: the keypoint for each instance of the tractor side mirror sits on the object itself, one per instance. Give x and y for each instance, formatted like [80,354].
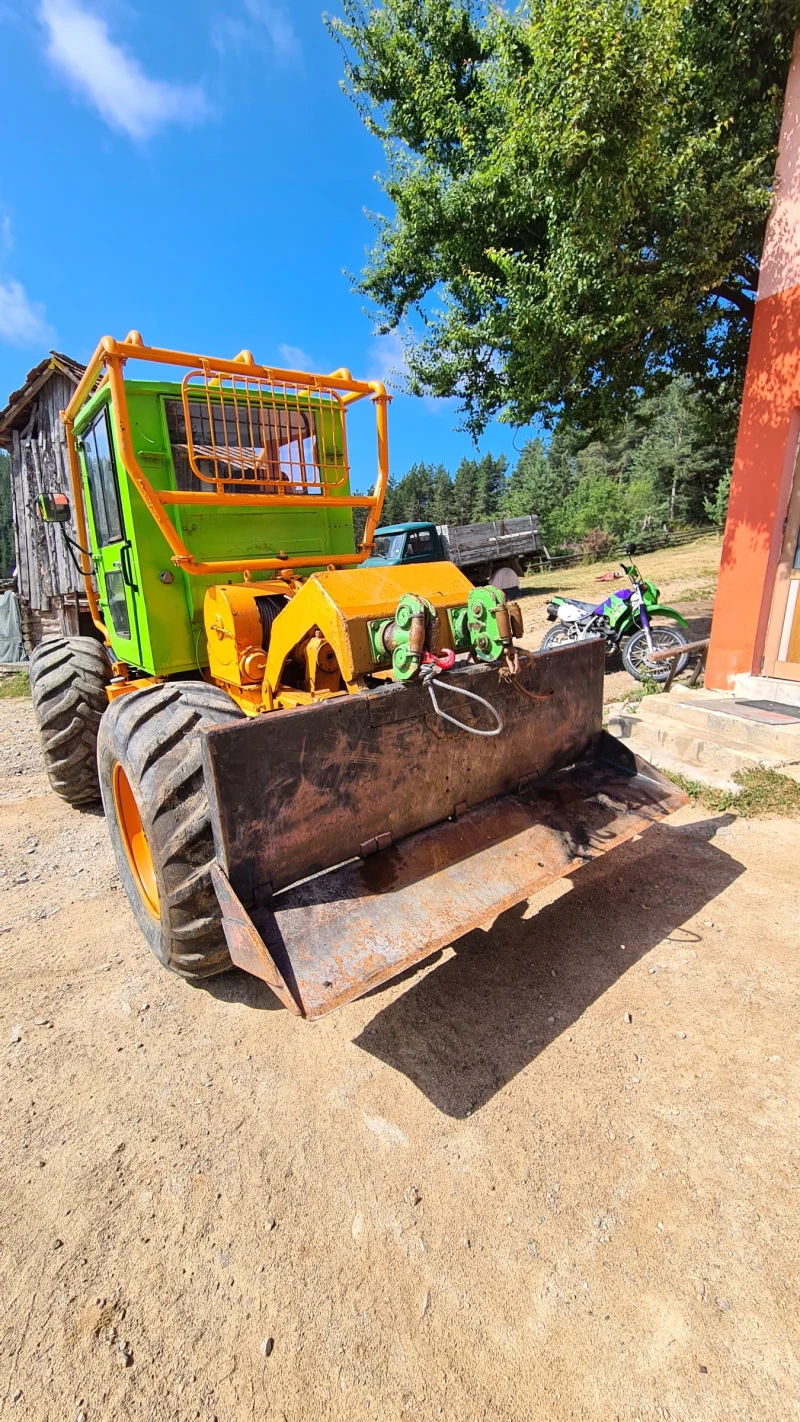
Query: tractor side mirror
[630,549]
[53,508]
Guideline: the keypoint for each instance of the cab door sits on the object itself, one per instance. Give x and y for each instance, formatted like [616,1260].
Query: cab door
[112,554]
[422,546]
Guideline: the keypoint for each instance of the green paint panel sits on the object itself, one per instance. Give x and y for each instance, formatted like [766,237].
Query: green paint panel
[141,591]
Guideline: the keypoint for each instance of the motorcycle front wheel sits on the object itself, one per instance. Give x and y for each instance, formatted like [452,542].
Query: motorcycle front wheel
[636,654]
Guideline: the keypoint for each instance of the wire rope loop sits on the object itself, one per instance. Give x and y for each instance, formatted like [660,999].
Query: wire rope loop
[462,691]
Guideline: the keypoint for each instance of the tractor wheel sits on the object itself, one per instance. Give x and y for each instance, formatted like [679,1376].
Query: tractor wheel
[154,796]
[68,688]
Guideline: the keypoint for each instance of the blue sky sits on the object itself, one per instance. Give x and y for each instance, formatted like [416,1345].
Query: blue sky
[191,168]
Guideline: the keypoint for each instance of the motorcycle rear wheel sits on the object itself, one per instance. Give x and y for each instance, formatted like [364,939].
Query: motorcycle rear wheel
[636,654]
[558,636]
[561,636]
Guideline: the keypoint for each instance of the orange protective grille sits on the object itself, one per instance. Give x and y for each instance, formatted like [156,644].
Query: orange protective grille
[272,436]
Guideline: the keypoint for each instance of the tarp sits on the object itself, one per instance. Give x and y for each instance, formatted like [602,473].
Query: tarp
[11,648]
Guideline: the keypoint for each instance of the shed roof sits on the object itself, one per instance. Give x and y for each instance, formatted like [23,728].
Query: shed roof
[13,416]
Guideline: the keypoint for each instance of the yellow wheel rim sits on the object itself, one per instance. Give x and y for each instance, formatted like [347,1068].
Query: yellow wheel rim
[133,837]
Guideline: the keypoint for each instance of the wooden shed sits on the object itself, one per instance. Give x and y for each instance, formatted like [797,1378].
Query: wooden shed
[48,584]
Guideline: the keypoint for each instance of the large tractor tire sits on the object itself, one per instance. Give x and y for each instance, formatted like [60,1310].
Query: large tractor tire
[68,688]
[154,796]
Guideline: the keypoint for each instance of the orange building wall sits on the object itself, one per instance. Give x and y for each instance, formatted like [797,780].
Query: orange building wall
[762,480]
[769,425]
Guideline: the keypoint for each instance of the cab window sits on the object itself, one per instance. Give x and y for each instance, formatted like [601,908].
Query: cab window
[101,475]
[420,543]
[389,545]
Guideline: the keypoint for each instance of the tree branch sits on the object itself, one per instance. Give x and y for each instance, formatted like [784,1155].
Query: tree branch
[736,297]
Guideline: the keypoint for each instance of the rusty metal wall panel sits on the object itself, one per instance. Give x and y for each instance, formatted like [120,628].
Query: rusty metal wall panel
[296,792]
[332,938]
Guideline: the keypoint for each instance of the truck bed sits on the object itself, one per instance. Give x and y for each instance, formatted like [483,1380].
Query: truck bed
[468,544]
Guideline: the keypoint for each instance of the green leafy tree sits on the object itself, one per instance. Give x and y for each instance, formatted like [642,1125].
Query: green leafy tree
[716,508]
[675,457]
[538,486]
[579,190]
[465,487]
[442,502]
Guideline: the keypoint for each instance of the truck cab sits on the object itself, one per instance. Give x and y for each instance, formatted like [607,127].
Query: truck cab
[406,543]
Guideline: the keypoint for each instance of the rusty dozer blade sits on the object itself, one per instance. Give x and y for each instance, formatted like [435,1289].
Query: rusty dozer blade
[357,835]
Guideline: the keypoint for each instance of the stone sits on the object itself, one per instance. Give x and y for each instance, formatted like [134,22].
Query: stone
[267,1346]
[58,1244]
[16,1036]
[627,1018]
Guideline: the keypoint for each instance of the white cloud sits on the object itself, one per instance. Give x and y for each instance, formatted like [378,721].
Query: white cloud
[22,321]
[388,363]
[78,43]
[295,358]
[387,358]
[259,22]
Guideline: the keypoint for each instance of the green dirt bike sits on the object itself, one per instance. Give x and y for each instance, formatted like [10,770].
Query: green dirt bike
[624,619]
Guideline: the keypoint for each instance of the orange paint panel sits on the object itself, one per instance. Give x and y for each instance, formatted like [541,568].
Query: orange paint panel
[760,488]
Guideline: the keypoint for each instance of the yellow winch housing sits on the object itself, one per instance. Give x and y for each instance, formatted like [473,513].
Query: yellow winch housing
[318,643]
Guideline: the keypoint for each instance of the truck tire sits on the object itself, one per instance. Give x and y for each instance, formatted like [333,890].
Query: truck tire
[68,688]
[505,577]
[154,796]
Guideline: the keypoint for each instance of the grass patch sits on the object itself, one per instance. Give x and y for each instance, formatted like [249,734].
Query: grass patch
[763,792]
[648,687]
[697,594]
[14,685]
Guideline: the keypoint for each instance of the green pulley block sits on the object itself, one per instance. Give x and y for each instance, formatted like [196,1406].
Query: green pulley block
[376,631]
[401,639]
[406,640]
[458,618]
[484,634]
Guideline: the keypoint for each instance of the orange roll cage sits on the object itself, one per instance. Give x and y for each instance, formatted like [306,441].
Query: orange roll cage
[107,364]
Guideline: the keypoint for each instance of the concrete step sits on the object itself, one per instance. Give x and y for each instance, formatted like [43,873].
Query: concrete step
[738,732]
[674,765]
[681,741]
[764,688]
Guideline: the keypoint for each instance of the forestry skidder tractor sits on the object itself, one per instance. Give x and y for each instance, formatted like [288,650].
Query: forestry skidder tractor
[316,771]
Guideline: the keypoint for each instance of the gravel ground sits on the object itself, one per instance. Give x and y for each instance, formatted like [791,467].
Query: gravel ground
[551,1175]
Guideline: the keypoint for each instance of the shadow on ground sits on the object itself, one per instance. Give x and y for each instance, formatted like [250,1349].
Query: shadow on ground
[466,1029]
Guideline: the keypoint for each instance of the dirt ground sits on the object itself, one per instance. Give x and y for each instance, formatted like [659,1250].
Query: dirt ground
[686,577]
[551,1175]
